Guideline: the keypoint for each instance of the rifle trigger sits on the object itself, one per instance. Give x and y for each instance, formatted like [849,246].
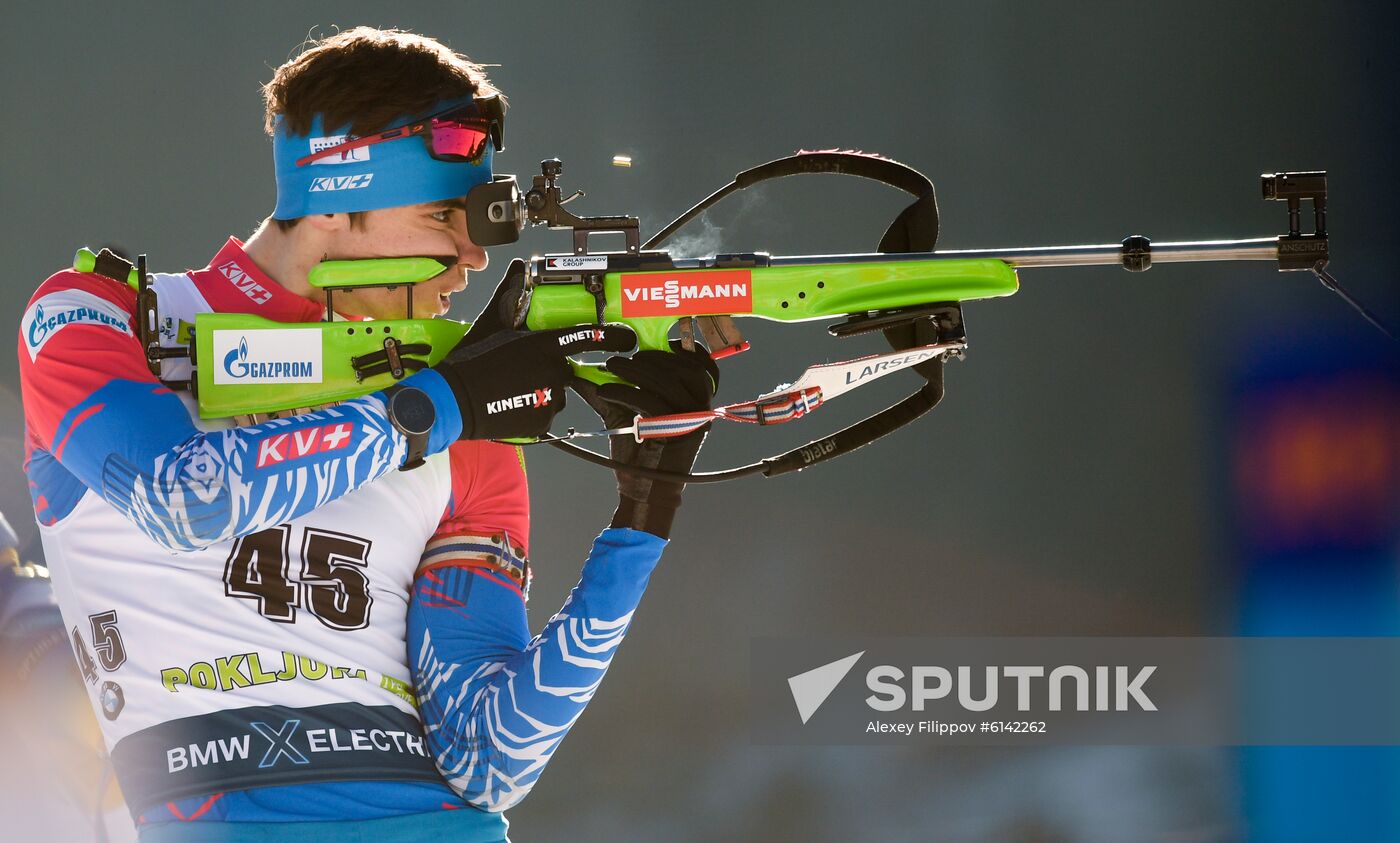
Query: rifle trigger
[593,283]
[686,326]
[721,335]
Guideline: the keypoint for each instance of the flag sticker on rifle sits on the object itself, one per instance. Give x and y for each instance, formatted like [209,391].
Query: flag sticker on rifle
[721,291]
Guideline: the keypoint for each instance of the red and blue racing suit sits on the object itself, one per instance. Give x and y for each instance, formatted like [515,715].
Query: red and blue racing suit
[274,625]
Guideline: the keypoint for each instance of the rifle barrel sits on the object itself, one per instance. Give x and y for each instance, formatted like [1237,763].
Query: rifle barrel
[1108,254]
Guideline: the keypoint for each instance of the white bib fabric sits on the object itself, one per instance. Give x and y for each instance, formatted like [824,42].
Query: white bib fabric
[270,659]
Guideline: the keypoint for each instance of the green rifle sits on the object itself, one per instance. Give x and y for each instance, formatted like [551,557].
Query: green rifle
[906,290]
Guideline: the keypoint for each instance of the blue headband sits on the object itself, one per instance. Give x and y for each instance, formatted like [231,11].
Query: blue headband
[384,175]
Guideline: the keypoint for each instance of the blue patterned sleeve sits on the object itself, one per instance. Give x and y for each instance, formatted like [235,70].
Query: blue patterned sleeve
[134,443]
[97,420]
[495,702]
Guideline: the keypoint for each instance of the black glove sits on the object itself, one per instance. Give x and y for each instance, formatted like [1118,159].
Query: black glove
[658,383]
[510,384]
[499,314]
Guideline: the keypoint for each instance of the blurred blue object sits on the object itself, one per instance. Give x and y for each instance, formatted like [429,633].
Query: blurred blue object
[1313,438]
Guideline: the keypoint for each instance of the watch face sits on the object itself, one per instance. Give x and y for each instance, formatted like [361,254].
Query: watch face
[412,411]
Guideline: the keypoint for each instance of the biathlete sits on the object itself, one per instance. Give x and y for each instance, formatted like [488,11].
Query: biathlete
[284,635]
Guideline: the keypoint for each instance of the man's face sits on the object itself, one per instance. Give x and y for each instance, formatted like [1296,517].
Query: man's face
[432,229]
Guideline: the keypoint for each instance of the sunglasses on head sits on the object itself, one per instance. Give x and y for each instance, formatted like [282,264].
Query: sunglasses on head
[458,135]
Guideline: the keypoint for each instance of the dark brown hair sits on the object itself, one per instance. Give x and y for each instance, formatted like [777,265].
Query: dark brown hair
[365,79]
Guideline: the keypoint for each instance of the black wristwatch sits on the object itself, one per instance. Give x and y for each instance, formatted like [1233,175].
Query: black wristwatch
[412,413]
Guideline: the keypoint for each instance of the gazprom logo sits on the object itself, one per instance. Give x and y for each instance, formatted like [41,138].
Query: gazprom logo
[237,366]
[55,311]
[38,328]
[44,324]
[322,185]
[273,356]
[236,361]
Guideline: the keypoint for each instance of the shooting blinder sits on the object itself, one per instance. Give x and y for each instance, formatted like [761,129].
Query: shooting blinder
[495,212]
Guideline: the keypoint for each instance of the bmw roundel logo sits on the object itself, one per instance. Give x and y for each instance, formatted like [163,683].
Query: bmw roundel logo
[112,699]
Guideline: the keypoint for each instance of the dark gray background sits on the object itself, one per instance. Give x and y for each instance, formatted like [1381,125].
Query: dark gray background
[1067,486]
